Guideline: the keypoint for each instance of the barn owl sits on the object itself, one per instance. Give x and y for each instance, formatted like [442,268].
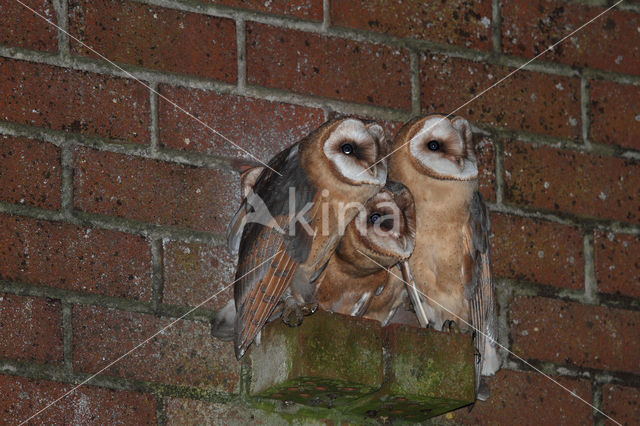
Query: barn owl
[356,280]
[310,200]
[434,157]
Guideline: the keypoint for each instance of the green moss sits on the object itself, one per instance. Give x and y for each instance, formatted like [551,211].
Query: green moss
[333,366]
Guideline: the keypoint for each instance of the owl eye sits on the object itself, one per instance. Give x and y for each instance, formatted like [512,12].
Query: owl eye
[374,217]
[347,149]
[433,145]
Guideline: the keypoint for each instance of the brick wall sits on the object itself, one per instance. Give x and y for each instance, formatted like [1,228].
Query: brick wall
[113,202]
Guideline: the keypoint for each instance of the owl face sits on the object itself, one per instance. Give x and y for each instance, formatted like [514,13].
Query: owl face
[442,148]
[353,148]
[387,224]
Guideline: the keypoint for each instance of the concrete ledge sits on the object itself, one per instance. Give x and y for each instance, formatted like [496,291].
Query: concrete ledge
[427,373]
[328,361]
[361,368]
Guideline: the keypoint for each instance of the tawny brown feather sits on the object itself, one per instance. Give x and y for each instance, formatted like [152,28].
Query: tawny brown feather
[295,253]
[434,158]
[356,280]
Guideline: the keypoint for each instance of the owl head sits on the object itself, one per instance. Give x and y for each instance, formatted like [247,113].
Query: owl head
[440,147]
[384,230]
[353,148]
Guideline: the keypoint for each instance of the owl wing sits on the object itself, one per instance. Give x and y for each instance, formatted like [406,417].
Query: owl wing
[269,254]
[479,286]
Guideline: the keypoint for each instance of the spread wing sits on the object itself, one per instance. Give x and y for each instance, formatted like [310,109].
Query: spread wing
[479,286]
[268,253]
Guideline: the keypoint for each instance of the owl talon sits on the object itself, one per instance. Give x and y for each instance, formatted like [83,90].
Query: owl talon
[292,313]
[450,326]
[309,308]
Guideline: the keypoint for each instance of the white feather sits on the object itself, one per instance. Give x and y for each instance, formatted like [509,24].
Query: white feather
[440,128]
[356,131]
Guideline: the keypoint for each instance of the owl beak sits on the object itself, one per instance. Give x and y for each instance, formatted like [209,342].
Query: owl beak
[372,171]
[461,163]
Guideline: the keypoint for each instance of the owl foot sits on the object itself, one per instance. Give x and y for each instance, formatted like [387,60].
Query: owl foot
[309,308]
[450,326]
[293,312]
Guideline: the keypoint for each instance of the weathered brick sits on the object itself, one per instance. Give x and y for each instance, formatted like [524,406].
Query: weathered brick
[74,258]
[154,191]
[617,263]
[22,398]
[194,273]
[463,23]
[303,9]
[576,335]
[529,101]
[328,66]
[30,172]
[260,127]
[75,101]
[622,403]
[612,42]
[183,354]
[563,180]
[524,398]
[615,113]
[181,411]
[30,329]
[155,37]
[21,27]
[537,251]
[485,153]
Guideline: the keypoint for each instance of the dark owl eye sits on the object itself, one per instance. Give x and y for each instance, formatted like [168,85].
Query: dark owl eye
[433,145]
[347,149]
[374,217]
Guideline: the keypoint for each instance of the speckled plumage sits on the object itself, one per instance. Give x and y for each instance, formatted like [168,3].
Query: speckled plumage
[277,267]
[356,281]
[434,157]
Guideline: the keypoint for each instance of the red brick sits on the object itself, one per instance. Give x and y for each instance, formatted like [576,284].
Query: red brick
[184,411]
[20,27]
[260,127]
[485,153]
[194,273]
[22,398]
[529,101]
[154,191]
[75,101]
[328,66]
[576,335]
[522,398]
[537,251]
[463,23]
[617,263]
[30,329]
[612,42]
[615,114]
[572,182]
[155,37]
[74,258]
[184,354]
[622,403]
[30,172]
[303,9]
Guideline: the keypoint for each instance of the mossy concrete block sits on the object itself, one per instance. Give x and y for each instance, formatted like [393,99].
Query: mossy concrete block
[332,360]
[328,361]
[427,373]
